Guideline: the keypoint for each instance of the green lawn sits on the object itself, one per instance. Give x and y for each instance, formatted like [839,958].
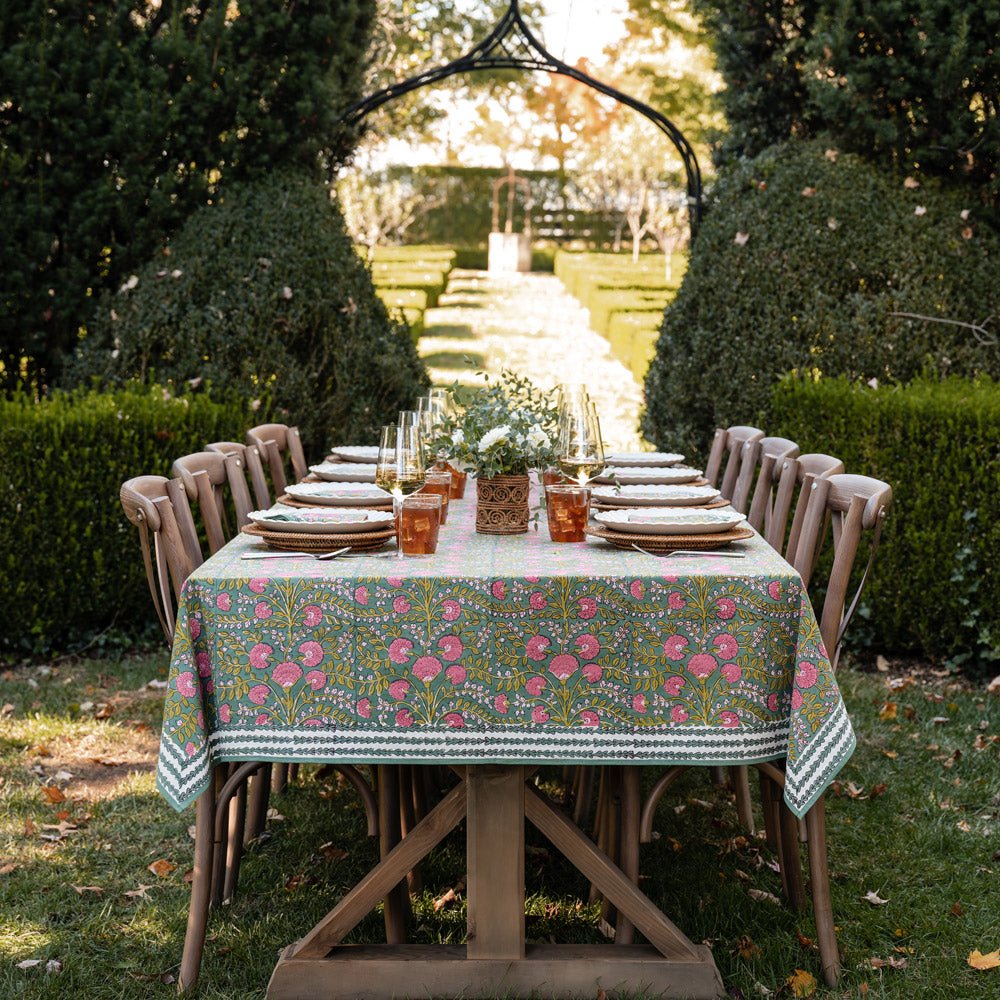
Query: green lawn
[913,818]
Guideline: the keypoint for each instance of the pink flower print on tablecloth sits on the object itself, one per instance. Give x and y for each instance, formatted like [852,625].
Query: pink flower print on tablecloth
[259,655]
[498,590]
[427,668]
[639,703]
[702,665]
[587,645]
[729,720]
[592,673]
[772,703]
[564,665]
[532,579]
[225,714]
[361,595]
[204,664]
[185,684]
[263,719]
[678,714]
[404,718]
[731,672]
[807,674]
[190,749]
[539,715]
[796,699]
[312,653]
[199,720]
[401,605]
[194,628]
[313,722]
[537,600]
[725,608]
[286,674]
[316,679]
[222,602]
[450,610]
[675,600]
[259,694]
[636,589]
[259,584]
[451,648]
[456,674]
[589,717]
[364,708]
[673,685]
[774,589]
[399,689]
[311,615]
[394,581]
[588,608]
[727,645]
[262,610]
[399,650]
[536,647]
[454,720]
[501,704]
[535,686]
[673,647]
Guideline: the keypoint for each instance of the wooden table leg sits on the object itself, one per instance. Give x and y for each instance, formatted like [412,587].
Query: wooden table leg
[397,902]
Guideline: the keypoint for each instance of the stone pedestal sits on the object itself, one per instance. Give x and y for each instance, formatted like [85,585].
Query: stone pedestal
[509,253]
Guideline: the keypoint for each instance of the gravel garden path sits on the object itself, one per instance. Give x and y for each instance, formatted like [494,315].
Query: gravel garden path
[531,324]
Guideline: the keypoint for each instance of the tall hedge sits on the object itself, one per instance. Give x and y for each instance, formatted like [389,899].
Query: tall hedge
[937,444]
[118,119]
[806,260]
[263,295]
[70,562]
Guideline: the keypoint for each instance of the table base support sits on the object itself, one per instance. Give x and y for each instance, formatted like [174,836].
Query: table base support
[562,972]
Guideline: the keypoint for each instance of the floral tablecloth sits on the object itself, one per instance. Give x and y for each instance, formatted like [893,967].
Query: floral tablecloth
[501,650]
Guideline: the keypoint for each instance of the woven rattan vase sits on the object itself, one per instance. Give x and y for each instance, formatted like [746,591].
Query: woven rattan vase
[502,505]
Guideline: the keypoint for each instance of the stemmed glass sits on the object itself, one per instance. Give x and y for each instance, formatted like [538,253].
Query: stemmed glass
[581,450]
[400,468]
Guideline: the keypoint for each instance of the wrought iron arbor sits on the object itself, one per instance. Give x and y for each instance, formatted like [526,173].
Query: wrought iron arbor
[512,45]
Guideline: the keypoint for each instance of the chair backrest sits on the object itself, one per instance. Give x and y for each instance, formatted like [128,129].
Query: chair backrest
[275,441]
[792,496]
[855,505]
[728,444]
[249,455]
[213,481]
[760,475]
[158,508]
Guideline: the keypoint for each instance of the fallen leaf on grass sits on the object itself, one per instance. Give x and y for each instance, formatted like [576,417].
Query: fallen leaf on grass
[808,192]
[881,664]
[805,942]
[887,963]
[764,897]
[911,183]
[7,709]
[992,688]
[877,790]
[980,961]
[331,852]
[745,947]
[875,899]
[62,830]
[8,868]
[446,898]
[956,910]
[167,978]
[741,239]
[52,795]
[30,963]
[801,983]
[81,889]
[964,826]
[140,892]
[940,720]
[891,754]
[161,868]
[888,711]
[274,816]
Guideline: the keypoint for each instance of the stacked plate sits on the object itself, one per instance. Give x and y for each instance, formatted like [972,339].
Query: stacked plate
[338,494]
[644,475]
[320,529]
[345,472]
[643,459]
[360,453]
[665,528]
[653,495]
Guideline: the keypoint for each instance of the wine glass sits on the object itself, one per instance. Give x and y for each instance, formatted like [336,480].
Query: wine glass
[399,469]
[571,395]
[581,450]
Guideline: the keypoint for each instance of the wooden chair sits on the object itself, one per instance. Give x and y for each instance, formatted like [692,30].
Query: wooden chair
[216,483]
[760,476]
[275,442]
[249,455]
[795,486]
[729,444]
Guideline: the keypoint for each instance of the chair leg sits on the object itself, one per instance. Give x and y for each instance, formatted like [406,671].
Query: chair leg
[820,885]
[407,821]
[201,891]
[791,862]
[584,794]
[279,778]
[631,805]
[740,777]
[769,798]
[234,844]
[397,902]
[260,795]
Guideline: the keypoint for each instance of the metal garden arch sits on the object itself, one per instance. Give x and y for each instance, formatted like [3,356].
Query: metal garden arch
[512,45]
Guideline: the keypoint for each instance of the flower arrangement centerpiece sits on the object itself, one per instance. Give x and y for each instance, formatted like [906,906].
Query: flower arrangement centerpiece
[499,432]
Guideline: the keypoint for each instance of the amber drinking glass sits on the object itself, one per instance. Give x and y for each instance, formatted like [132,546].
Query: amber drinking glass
[439,481]
[419,524]
[568,509]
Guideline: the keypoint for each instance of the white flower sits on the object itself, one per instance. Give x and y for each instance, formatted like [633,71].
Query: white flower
[458,436]
[495,436]
[537,438]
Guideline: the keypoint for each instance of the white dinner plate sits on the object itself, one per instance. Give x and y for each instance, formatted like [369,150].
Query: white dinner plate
[364,453]
[345,472]
[644,459]
[633,475]
[319,521]
[671,520]
[655,496]
[339,494]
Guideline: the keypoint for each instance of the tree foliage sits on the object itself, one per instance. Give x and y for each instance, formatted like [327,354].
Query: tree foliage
[119,119]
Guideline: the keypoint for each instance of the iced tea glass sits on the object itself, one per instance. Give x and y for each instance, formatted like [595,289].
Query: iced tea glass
[568,509]
[439,481]
[419,524]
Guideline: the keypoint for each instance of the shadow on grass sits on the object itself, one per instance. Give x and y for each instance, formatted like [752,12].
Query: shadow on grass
[454,360]
[449,331]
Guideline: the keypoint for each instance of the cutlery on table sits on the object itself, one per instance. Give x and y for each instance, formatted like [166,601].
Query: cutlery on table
[688,552]
[295,555]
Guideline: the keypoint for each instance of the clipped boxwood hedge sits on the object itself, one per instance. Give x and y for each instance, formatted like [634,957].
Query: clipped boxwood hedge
[803,259]
[937,444]
[70,561]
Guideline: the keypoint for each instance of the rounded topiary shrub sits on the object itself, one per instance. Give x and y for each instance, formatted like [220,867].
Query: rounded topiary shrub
[263,295]
[804,262]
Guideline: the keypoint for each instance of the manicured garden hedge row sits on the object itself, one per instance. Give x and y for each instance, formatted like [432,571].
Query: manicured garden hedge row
[938,445]
[410,279]
[69,560]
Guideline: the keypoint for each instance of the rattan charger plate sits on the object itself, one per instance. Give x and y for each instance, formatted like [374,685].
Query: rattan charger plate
[358,541]
[665,543]
[293,502]
[606,504]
